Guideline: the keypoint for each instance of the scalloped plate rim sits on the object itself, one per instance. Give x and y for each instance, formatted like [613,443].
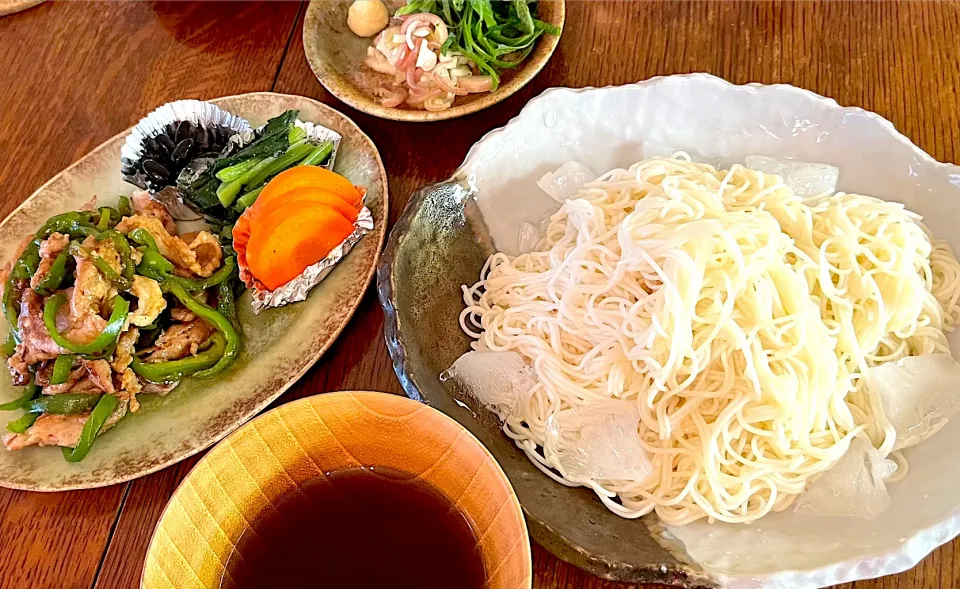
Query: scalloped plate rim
[896,561]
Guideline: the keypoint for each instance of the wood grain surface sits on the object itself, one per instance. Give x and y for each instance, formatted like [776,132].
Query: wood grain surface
[74,74]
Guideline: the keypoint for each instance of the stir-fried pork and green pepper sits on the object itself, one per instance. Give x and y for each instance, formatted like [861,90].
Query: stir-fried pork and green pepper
[108,304]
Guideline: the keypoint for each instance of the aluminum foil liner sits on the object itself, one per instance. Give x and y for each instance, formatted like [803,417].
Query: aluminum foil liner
[197,112]
[172,197]
[298,288]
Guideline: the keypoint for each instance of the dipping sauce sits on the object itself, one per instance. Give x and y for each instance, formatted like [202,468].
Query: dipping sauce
[373,527]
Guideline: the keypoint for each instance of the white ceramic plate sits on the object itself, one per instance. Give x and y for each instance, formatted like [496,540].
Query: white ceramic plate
[706,116]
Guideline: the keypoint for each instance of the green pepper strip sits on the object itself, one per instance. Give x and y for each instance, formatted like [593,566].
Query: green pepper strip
[9,346]
[10,310]
[143,237]
[75,224]
[28,262]
[226,303]
[91,429]
[123,279]
[211,316]
[23,423]
[27,396]
[104,353]
[106,214]
[124,207]
[155,266]
[161,372]
[61,368]
[65,404]
[58,271]
[120,243]
[218,277]
[107,336]
[102,265]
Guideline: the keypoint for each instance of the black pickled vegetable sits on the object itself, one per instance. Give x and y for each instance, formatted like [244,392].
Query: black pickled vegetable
[165,155]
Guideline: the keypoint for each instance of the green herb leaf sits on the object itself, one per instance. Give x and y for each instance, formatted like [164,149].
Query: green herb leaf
[523,14]
[493,34]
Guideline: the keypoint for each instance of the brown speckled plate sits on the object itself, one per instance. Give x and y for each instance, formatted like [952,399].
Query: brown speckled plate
[336,55]
[279,346]
[12,6]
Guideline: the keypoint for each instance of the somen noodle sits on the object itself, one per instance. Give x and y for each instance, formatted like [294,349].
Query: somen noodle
[737,317]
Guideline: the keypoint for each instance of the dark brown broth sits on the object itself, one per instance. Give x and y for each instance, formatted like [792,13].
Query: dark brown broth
[359,528]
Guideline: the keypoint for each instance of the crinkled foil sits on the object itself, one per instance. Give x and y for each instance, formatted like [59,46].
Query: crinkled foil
[196,111]
[200,113]
[298,288]
[172,197]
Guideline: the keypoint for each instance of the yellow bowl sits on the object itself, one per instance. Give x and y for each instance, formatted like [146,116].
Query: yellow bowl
[237,480]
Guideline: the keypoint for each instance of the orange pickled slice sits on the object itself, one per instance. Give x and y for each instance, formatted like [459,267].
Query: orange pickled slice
[307,195]
[290,238]
[309,177]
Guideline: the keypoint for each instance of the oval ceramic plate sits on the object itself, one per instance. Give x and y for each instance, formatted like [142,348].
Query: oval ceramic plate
[336,56]
[447,231]
[12,6]
[279,344]
[301,441]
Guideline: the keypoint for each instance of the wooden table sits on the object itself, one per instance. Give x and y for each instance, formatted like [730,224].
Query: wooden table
[74,74]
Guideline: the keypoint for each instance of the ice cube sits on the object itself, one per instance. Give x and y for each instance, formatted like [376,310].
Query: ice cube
[853,487]
[528,238]
[566,181]
[805,178]
[599,441]
[495,379]
[919,394]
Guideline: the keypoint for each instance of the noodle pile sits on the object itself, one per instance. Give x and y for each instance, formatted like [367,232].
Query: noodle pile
[738,317]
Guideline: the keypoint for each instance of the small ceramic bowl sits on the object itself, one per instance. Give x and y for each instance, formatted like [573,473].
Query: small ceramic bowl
[299,441]
[336,54]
